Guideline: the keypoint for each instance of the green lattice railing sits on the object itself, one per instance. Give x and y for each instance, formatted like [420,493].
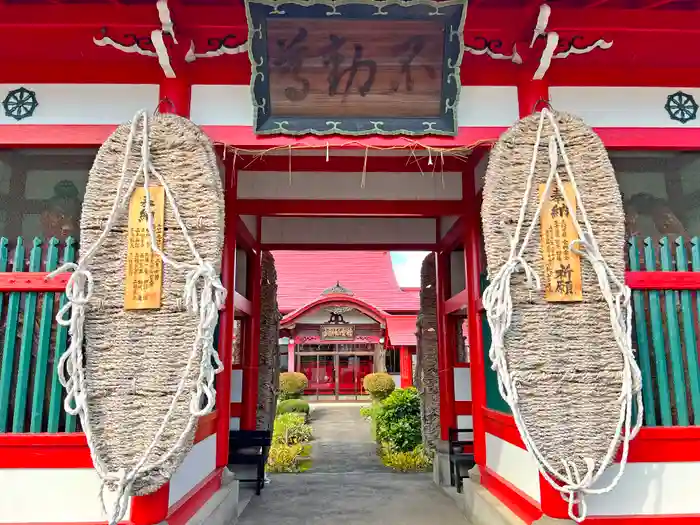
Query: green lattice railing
[666,289]
[31,397]
[665,330]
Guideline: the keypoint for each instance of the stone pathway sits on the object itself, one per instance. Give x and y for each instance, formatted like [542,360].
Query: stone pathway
[347,484]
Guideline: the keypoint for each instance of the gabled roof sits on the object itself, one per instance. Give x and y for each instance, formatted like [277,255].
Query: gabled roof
[302,276]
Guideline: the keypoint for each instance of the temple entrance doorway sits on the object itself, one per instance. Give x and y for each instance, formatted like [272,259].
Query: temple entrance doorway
[336,370]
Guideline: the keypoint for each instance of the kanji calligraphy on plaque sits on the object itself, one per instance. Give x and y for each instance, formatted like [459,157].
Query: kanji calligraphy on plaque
[144,269]
[562,267]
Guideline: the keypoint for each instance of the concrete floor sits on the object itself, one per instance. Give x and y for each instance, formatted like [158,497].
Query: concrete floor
[347,484]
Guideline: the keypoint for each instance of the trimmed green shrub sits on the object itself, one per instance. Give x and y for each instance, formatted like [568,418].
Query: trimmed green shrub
[297,406]
[292,385]
[283,458]
[379,385]
[398,422]
[415,460]
[291,429]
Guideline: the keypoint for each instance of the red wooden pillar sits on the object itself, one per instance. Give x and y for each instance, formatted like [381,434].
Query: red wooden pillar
[226,319]
[473,269]
[153,508]
[406,365]
[175,95]
[445,349]
[250,355]
[531,94]
[290,355]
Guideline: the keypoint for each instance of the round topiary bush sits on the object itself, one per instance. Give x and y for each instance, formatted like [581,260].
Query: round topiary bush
[292,385]
[379,385]
[289,406]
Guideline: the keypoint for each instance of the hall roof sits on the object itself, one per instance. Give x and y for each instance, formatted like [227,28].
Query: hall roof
[302,277]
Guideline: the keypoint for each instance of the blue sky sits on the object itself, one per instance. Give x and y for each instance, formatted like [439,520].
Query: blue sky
[407,267]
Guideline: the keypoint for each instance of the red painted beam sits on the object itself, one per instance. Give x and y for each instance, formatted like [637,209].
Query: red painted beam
[457,302]
[656,3]
[351,163]
[663,280]
[242,305]
[44,451]
[330,208]
[32,282]
[134,17]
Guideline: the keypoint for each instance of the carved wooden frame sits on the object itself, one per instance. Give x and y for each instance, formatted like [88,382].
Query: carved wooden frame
[259,11]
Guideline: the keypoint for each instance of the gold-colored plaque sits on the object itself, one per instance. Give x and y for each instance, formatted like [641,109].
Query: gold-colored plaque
[144,269]
[562,267]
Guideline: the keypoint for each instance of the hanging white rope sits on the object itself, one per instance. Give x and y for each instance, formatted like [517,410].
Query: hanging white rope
[204,295]
[497,300]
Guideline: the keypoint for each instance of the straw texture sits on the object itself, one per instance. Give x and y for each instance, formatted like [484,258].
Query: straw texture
[135,359]
[563,356]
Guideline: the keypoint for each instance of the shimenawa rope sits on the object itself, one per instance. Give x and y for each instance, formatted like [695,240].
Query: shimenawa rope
[201,279]
[498,303]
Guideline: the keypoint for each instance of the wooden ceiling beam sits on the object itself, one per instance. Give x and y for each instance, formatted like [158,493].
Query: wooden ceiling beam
[653,4]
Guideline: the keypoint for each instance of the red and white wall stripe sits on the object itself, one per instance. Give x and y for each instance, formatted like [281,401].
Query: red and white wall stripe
[57,469]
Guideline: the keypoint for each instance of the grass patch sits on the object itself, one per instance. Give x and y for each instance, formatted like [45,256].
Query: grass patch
[290,451]
[415,460]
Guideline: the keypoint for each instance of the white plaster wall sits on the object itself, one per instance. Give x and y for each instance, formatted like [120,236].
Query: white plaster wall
[457,272]
[251,223]
[480,172]
[236,386]
[397,379]
[649,489]
[224,105]
[235,423]
[446,223]
[342,230]
[485,106]
[198,464]
[221,105]
[242,272]
[464,421]
[641,107]
[463,384]
[43,495]
[514,465]
[317,185]
[84,103]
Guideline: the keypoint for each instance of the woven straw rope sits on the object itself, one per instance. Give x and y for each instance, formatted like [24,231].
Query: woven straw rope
[426,375]
[269,350]
[563,358]
[135,359]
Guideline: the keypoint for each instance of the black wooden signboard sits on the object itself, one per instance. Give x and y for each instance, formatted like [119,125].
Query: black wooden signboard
[355,67]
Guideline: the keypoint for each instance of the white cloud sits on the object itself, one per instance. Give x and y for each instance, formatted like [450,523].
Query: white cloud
[407,267]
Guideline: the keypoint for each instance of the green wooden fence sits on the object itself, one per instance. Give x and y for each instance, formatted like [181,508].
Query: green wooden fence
[665,330]
[31,397]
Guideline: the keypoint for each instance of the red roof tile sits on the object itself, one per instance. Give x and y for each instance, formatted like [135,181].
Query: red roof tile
[402,330]
[303,275]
